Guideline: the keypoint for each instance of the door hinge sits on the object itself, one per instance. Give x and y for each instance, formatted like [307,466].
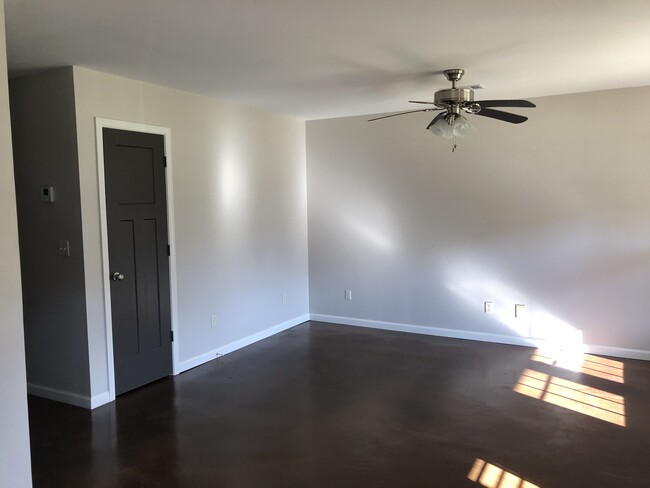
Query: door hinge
[165,161]
[169,250]
[171,334]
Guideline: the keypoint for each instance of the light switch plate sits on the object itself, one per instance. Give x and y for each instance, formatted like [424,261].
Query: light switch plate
[63,247]
[47,194]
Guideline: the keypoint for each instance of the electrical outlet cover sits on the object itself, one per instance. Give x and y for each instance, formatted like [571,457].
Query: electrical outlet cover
[520,310]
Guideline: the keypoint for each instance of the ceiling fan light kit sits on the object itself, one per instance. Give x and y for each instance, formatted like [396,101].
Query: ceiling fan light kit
[450,126]
[452,102]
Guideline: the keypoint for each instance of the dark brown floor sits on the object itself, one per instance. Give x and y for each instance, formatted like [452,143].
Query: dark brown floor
[334,406]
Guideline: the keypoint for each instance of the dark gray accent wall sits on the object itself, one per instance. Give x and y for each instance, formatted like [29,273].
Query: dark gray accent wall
[54,301]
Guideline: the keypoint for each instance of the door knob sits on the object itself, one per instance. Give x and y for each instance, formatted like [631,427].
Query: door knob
[117,276]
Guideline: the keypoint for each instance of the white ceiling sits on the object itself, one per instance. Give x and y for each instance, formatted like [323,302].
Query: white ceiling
[329,58]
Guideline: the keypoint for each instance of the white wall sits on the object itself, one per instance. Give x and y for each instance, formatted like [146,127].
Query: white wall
[553,214]
[239,178]
[15,467]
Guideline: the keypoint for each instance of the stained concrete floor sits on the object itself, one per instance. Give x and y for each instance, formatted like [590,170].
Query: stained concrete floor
[326,405]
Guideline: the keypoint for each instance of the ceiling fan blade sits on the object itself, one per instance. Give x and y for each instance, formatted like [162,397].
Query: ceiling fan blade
[506,103]
[505,116]
[436,119]
[404,113]
[417,101]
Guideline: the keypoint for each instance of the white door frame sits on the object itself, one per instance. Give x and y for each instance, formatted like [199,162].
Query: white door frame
[101,123]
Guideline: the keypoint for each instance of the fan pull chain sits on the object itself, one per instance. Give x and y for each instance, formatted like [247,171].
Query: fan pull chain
[453,149]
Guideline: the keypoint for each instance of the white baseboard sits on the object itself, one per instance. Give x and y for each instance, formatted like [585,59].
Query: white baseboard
[420,329]
[246,341]
[474,336]
[99,400]
[618,352]
[55,394]
[89,402]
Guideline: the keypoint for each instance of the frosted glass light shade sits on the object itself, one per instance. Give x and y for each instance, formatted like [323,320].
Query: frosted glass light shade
[461,127]
[442,129]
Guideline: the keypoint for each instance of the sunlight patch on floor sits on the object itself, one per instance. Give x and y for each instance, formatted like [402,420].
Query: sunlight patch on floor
[573,396]
[607,369]
[492,476]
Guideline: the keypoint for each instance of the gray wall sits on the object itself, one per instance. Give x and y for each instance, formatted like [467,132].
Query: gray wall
[45,154]
[239,178]
[552,214]
[15,468]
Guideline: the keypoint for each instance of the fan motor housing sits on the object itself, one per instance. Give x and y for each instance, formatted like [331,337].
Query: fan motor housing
[443,98]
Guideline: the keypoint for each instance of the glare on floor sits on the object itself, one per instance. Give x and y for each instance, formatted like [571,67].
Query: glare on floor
[492,476]
[607,369]
[573,396]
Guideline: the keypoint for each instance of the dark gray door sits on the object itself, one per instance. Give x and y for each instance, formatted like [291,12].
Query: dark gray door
[136,205]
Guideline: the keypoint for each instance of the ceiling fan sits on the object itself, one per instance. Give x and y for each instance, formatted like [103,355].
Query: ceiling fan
[450,122]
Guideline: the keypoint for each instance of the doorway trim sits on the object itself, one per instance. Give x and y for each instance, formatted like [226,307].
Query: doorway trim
[100,124]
